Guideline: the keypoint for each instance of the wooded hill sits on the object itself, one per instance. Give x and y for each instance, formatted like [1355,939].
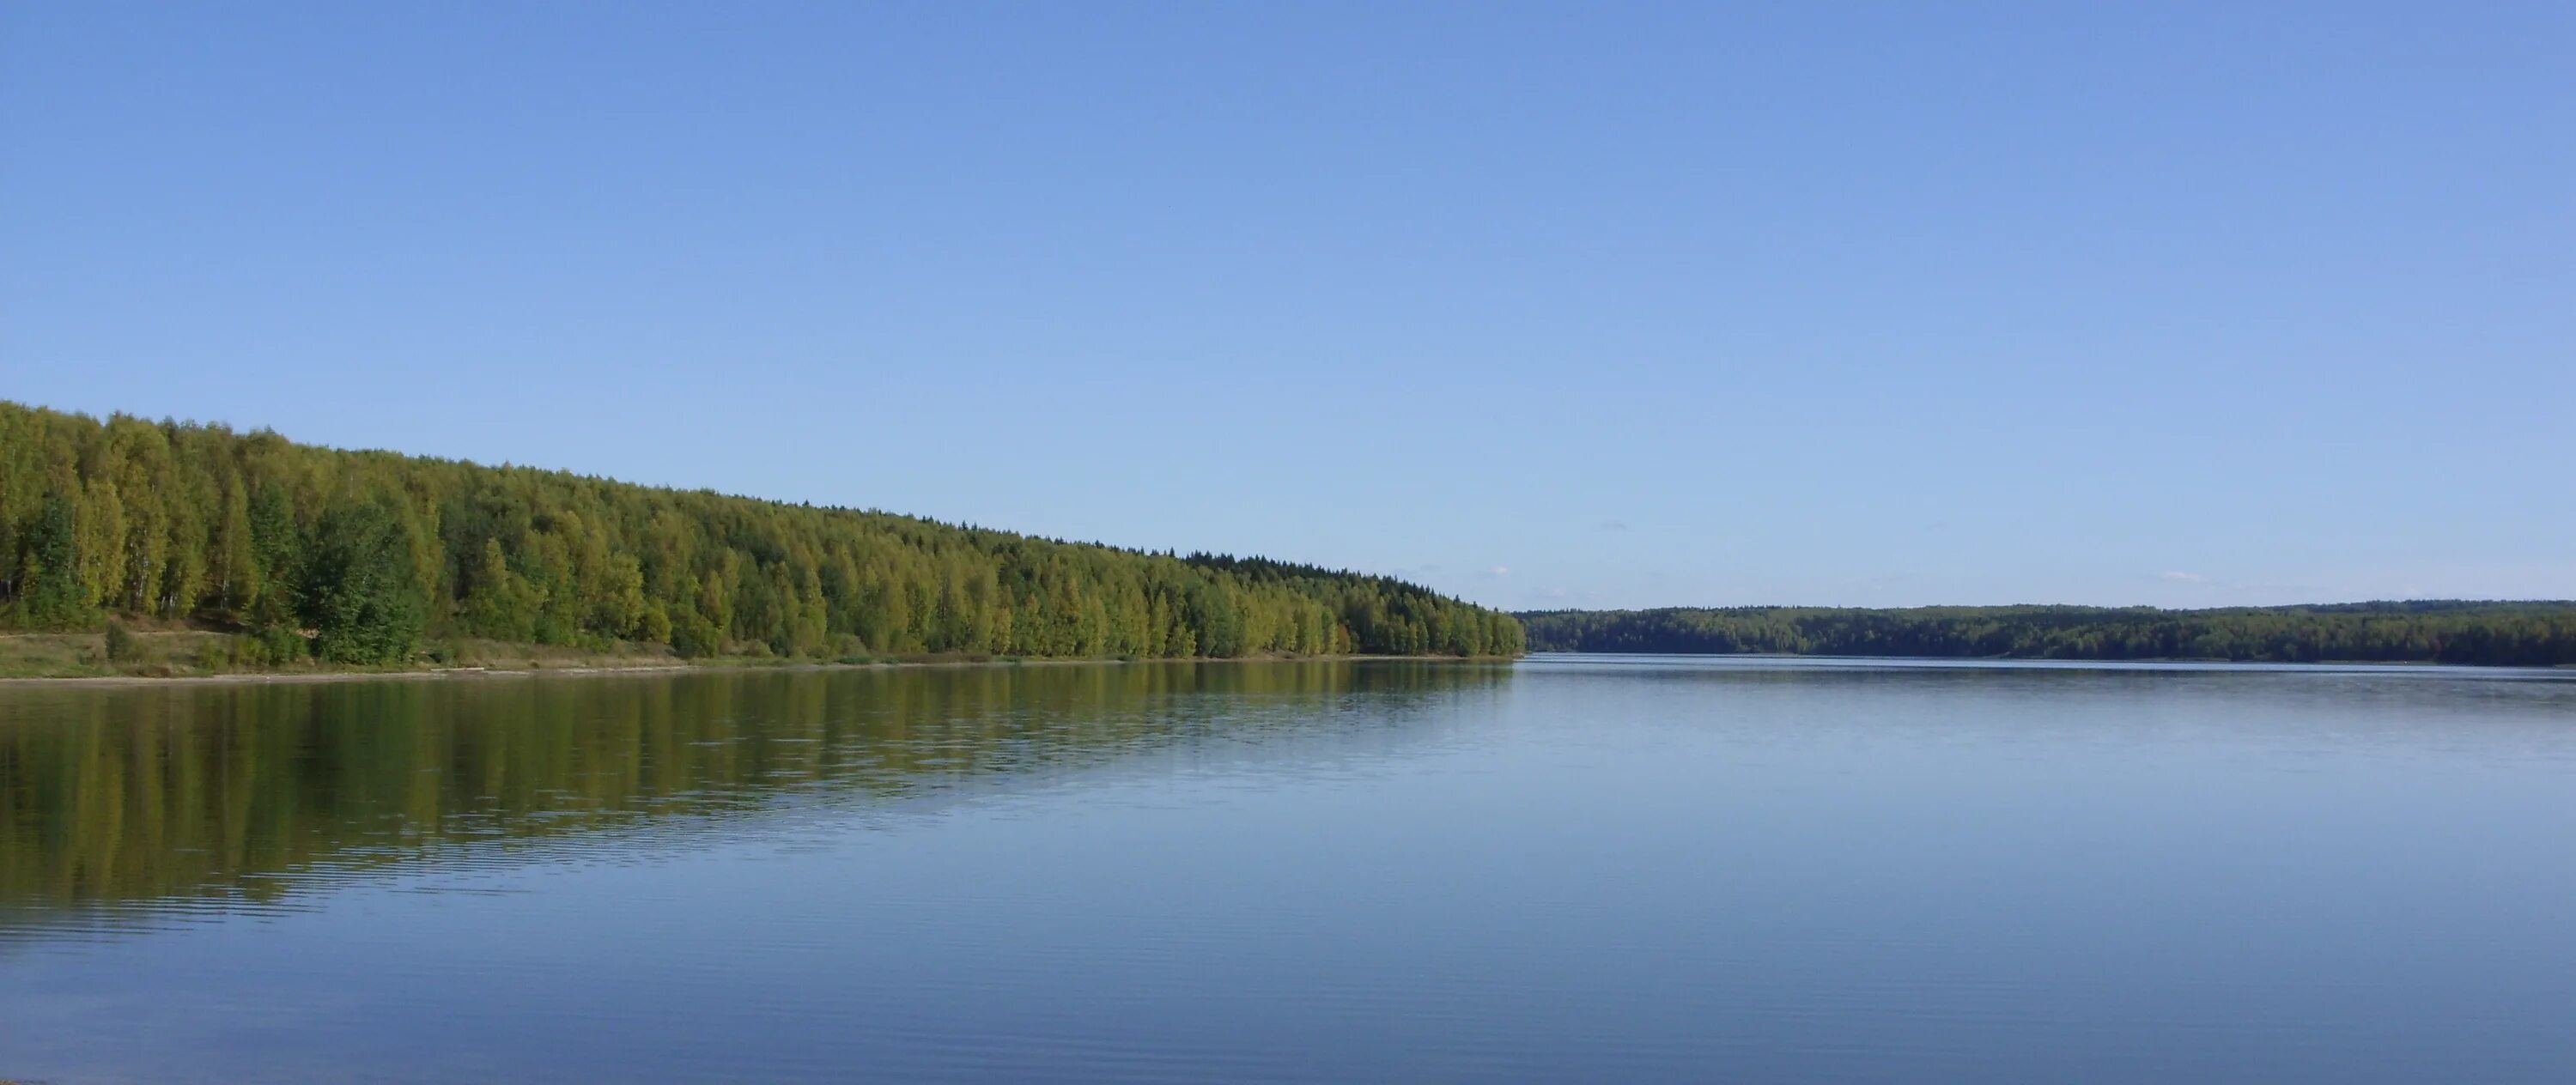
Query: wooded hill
[2536,634]
[372,552]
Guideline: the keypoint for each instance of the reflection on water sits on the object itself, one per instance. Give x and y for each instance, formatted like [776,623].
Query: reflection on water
[186,798]
[1626,869]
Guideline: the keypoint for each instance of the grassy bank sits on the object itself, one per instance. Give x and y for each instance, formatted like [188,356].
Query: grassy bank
[203,654]
[198,653]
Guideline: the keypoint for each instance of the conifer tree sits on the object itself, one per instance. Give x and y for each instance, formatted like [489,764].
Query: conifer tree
[51,595]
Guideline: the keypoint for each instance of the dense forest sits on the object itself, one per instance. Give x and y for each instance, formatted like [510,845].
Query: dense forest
[2443,631]
[366,557]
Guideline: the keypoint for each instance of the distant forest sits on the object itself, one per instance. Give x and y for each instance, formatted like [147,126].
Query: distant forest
[2445,631]
[361,557]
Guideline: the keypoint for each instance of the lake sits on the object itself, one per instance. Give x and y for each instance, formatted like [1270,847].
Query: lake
[1570,868]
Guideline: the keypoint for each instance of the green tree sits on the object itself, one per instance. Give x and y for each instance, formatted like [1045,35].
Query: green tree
[500,604]
[233,565]
[179,519]
[362,598]
[121,646]
[277,556]
[51,595]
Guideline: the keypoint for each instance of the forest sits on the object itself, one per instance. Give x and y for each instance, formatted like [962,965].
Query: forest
[2534,634]
[372,558]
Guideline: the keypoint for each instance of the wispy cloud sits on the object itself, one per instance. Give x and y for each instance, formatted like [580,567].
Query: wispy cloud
[1499,570]
[1611,525]
[2183,577]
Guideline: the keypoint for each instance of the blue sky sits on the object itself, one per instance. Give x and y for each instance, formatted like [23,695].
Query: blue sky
[1546,305]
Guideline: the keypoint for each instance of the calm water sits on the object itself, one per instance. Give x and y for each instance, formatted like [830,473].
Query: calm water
[1609,868]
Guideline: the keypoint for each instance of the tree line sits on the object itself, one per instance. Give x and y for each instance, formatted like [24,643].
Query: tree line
[361,557]
[2532,634]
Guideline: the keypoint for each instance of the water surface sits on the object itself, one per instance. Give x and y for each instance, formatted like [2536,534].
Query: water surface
[1639,868]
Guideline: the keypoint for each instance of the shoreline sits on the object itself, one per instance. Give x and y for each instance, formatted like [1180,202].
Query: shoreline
[2071,661]
[641,669]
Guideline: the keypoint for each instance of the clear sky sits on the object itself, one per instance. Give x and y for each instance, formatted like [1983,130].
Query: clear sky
[1546,305]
